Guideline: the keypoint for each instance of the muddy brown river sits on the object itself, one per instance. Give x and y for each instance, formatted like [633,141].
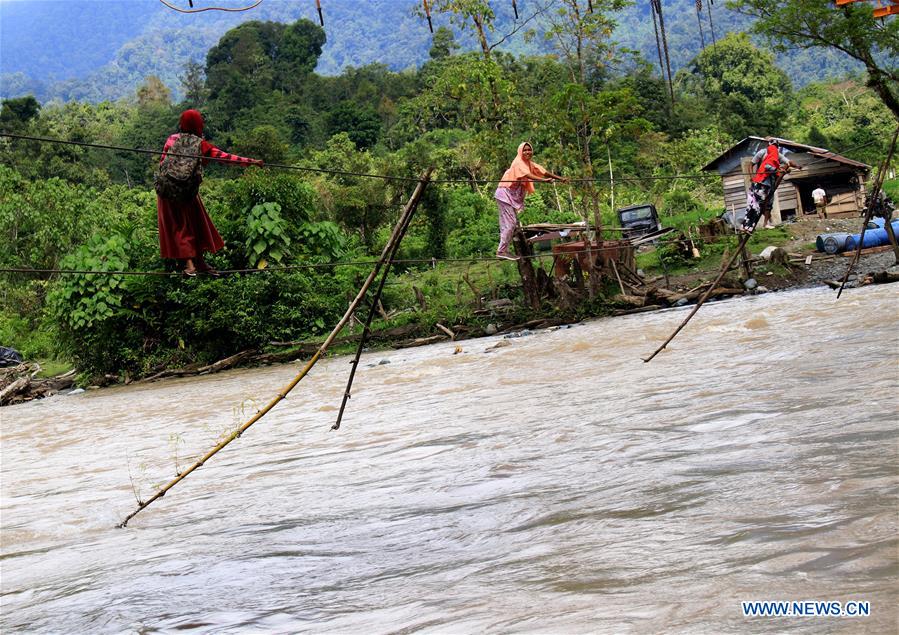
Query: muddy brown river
[554,484]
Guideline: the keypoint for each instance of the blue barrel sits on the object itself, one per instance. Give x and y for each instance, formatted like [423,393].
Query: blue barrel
[873,237]
[831,243]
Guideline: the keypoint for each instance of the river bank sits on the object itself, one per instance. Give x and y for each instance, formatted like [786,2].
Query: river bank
[800,267]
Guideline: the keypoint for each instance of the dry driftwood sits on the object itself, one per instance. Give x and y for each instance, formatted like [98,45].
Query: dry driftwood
[642,309]
[20,383]
[420,341]
[630,300]
[539,323]
[569,299]
[884,277]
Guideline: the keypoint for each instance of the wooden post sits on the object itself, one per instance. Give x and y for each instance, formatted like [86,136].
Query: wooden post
[526,269]
[888,225]
[615,269]
[875,191]
[744,261]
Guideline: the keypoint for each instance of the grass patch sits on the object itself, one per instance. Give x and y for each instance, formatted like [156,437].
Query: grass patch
[53,367]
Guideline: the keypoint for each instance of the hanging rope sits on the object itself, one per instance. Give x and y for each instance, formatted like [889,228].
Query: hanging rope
[192,10]
[225,161]
[708,8]
[427,9]
[657,11]
[288,268]
[699,21]
[387,177]
[321,18]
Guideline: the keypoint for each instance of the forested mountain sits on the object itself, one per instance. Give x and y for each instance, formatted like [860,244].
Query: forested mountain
[121,42]
[340,149]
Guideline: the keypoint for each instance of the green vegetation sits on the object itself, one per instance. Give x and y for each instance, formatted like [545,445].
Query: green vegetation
[93,210]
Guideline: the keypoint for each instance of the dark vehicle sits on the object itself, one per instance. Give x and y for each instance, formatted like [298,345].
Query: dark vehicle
[639,220]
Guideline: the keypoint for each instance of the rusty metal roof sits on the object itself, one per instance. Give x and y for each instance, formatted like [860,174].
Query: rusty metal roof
[821,153]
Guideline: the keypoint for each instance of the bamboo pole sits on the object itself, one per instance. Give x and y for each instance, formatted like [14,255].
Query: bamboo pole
[376,299]
[868,213]
[705,295]
[395,237]
[737,252]
[888,225]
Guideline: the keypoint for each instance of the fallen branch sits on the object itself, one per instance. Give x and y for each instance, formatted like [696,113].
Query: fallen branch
[420,341]
[24,385]
[884,277]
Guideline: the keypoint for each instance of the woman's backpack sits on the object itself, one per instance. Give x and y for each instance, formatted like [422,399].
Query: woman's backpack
[179,175]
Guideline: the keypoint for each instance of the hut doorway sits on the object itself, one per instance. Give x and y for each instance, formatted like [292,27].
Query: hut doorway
[841,189]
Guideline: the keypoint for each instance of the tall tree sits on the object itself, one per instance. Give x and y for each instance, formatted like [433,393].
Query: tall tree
[444,44]
[193,82]
[478,17]
[581,33]
[742,85]
[153,93]
[16,113]
[850,28]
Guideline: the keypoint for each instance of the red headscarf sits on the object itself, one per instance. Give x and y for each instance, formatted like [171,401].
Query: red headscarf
[191,121]
[772,158]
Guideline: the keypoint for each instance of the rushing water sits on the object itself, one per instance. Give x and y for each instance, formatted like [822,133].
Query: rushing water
[556,484]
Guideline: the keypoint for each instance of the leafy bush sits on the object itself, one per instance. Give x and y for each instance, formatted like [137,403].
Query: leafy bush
[86,305]
[679,201]
[472,222]
[323,239]
[85,300]
[267,237]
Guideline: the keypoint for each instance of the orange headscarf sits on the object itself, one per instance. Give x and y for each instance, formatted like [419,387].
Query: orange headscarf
[518,171]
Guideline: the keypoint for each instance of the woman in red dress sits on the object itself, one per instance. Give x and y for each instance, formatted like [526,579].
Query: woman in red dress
[185,229]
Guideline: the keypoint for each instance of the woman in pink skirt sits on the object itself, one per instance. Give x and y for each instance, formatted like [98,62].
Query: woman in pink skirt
[518,182]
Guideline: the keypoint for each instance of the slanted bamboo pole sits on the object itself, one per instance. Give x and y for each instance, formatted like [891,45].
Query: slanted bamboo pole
[878,182]
[737,252]
[389,248]
[705,295]
[376,299]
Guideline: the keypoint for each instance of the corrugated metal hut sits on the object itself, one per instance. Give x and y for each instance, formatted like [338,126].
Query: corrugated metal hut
[842,179]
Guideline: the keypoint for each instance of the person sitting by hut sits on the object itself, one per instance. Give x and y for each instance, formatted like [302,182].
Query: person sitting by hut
[185,229]
[770,162]
[516,184]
